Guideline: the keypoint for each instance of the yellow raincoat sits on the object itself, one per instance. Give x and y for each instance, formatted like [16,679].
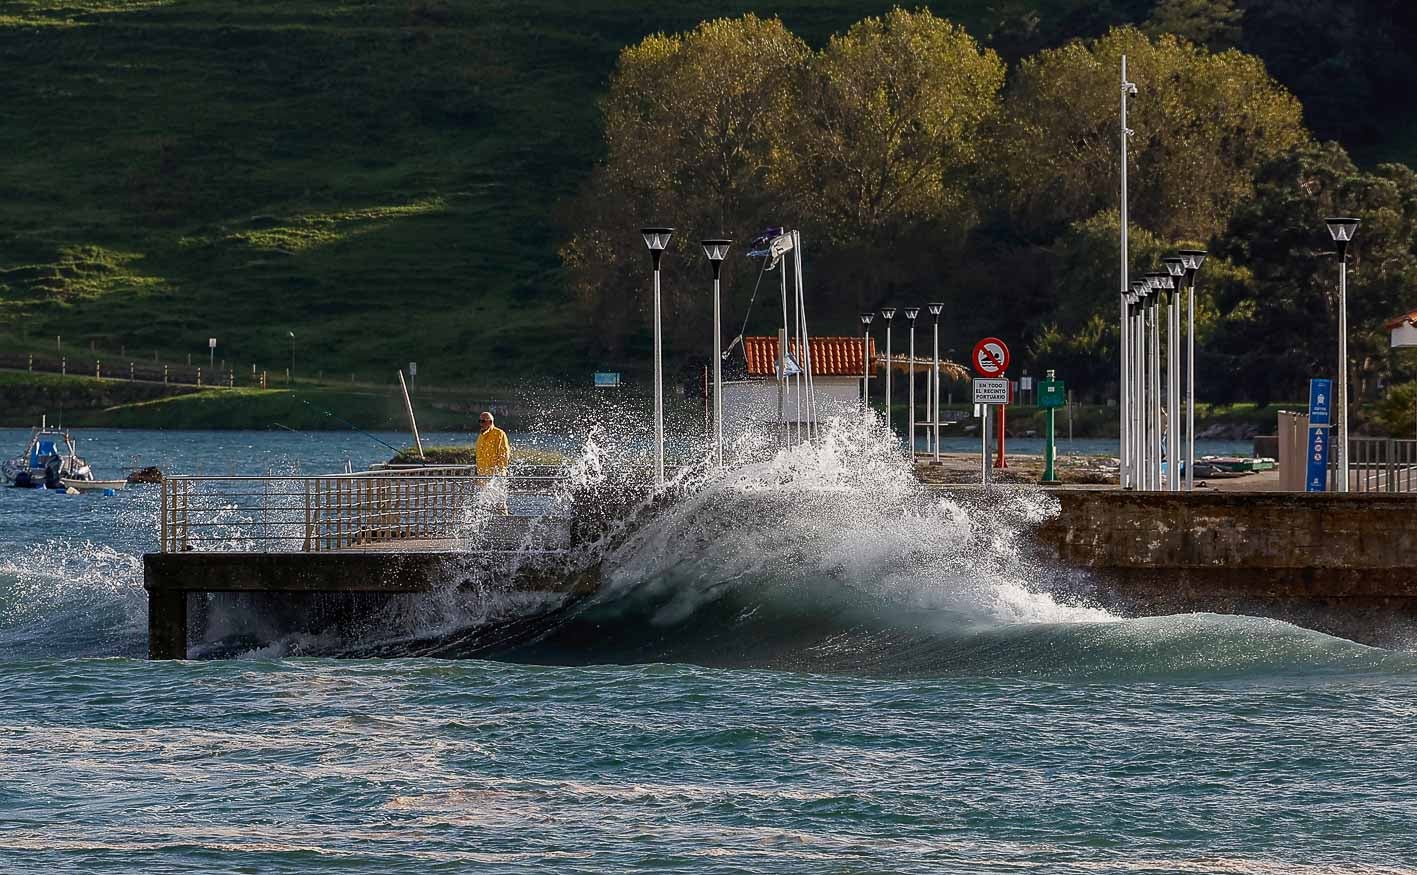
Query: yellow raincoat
[493,452]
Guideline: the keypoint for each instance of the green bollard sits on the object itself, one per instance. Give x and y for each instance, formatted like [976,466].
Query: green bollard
[1051,396]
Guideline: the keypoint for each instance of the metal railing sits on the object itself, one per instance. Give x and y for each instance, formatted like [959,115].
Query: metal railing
[1378,465]
[343,511]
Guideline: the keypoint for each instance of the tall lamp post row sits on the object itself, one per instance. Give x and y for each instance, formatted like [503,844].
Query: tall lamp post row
[716,250]
[1142,394]
[932,383]
[1143,398]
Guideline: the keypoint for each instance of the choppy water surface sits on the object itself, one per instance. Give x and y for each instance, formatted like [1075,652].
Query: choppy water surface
[806,665]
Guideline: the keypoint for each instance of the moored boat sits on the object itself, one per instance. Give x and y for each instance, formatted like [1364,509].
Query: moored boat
[48,461]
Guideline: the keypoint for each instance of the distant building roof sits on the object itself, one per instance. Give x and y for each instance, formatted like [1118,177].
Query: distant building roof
[1410,317]
[831,356]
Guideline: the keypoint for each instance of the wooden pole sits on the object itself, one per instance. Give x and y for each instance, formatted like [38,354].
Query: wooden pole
[413,423]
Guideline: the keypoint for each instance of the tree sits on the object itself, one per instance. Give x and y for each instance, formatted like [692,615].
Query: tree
[892,112]
[1214,24]
[1351,63]
[1280,325]
[1203,124]
[694,127]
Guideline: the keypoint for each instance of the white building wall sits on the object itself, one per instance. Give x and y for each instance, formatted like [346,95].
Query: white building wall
[750,406]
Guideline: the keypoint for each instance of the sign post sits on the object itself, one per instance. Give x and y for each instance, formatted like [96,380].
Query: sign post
[989,392]
[1320,420]
[211,353]
[1051,395]
[991,360]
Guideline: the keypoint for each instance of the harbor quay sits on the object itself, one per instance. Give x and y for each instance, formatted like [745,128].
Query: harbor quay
[322,548]
[1340,563]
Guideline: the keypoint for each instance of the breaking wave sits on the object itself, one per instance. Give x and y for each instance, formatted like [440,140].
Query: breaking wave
[826,557]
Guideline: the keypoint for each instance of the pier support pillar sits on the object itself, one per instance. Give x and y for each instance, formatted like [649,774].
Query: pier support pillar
[167,624]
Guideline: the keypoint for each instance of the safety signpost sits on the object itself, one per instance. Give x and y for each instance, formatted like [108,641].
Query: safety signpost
[991,389]
[1052,394]
[1320,420]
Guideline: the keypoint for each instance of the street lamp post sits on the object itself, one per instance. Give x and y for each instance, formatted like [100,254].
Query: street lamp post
[888,313]
[1129,365]
[1134,384]
[936,310]
[716,251]
[292,355]
[911,313]
[1176,270]
[1141,290]
[1191,259]
[866,360]
[1157,281]
[657,239]
[1342,229]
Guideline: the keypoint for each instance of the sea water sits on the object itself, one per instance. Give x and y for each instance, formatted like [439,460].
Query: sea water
[808,664]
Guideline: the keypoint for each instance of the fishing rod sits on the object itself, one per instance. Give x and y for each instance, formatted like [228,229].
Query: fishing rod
[397,451]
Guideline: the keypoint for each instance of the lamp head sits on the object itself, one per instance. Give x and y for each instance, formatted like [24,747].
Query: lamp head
[888,313]
[866,318]
[1342,228]
[1174,264]
[657,239]
[911,313]
[1192,259]
[715,250]
[936,309]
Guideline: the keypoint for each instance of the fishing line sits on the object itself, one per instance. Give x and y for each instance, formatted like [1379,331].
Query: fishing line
[747,314]
[397,451]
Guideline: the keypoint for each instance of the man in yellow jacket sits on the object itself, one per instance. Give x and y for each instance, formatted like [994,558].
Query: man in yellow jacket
[493,452]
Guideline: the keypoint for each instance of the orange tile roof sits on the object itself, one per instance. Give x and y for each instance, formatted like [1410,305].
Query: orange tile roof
[1399,321]
[831,356]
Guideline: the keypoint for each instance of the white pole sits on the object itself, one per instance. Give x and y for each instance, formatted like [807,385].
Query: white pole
[1343,367]
[1128,474]
[1173,392]
[658,386]
[888,374]
[412,423]
[1138,401]
[717,371]
[911,425]
[984,446]
[1156,394]
[866,368]
[1191,384]
[935,391]
[808,369]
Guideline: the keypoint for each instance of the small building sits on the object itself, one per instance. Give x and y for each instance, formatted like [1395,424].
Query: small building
[751,406]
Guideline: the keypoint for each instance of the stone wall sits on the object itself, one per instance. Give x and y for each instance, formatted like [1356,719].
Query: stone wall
[1345,564]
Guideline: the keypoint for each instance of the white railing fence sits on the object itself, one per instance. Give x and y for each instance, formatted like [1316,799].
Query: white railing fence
[342,511]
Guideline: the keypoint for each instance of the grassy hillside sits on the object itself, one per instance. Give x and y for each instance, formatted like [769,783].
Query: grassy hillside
[377,177]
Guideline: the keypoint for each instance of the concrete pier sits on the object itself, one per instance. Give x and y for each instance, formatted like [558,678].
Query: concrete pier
[171,577]
[1340,563]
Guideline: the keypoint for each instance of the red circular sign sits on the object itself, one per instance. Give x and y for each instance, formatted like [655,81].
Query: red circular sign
[991,357]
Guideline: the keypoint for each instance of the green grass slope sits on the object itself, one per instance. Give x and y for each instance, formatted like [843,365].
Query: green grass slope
[379,178]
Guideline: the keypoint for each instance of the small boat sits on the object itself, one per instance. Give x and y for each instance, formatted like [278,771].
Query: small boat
[93,485]
[49,461]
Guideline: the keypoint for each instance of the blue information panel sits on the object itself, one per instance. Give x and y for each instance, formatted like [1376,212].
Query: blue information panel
[1320,402]
[607,380]
[1316,478]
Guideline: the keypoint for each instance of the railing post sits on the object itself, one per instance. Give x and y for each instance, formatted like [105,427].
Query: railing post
[162,517]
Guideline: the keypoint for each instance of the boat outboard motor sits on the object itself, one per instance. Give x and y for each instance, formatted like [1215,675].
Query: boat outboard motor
[52,471]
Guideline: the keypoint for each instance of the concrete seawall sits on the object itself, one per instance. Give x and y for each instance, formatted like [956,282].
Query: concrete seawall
[1345,564]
